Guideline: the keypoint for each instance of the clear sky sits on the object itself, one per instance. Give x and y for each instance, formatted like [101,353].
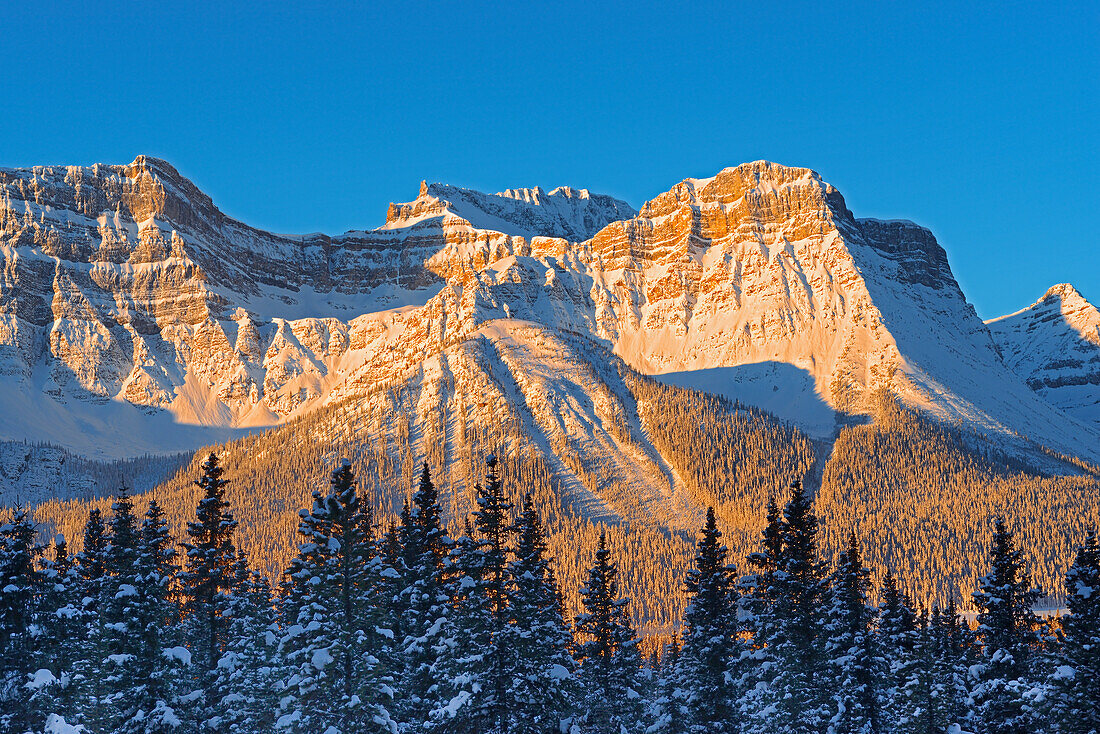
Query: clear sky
[981,124]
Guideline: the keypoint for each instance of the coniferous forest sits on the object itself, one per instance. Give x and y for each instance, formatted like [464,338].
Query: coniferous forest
[400,627]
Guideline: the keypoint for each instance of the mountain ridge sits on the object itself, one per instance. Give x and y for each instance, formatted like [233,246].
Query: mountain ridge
[224,326]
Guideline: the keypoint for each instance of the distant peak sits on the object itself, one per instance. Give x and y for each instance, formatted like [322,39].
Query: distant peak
[733,182]
[1062,291]
[148,162]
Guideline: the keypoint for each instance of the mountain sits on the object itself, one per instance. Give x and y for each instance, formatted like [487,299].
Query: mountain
[1054,346]
[616,360]
[135,317]
[132,307]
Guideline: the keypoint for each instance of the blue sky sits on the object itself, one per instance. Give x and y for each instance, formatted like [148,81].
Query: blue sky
[979,123]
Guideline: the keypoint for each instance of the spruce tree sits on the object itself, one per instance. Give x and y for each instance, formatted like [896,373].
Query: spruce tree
[60,632]
[670,711]
[760,595]
[428,622]
[332,644]
[1007,629]
[608,650]
[211,573]
[710,633]
[248,675]
[543,686]
[1075,681]
[897,637]
[21,585]
[853,662]
[160,662]
[123,668]
[799,689]
[478,665]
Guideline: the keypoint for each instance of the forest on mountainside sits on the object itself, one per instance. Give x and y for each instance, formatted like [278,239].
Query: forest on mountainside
[402,627]
[920,495]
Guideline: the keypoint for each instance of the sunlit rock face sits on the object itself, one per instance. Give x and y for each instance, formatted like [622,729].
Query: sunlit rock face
[128,283]
[124,287]
[1054,346]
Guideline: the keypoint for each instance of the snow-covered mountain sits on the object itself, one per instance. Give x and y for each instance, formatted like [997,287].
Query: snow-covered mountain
[135,316]
[1054,346]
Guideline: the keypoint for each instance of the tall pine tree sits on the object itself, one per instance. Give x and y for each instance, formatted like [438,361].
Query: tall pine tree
[710,633]
[1007,629]
[854,665]
[1075,682]
[543,687]
[608,650]
[333,645]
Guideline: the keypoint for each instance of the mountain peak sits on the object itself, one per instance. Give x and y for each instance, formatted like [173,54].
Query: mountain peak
[756,180]
[563,212]
[1066,293]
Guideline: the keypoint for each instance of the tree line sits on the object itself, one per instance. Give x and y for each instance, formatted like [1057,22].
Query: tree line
[398,626]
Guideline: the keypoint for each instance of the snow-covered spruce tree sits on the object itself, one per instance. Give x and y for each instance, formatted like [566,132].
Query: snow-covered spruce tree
[21,585]
[58,632]
[332,644]
[477,665]
[855,667]
[897,638]
[1075,682]
[669,710]
[608,651]
[710,634]
[799,690]
[247,678]
[542,690]
[926,701]
[955,647]
[123,675]
[161,662]
[427,622]
[760,592]
[1007,630]
[210,575]
[84,686]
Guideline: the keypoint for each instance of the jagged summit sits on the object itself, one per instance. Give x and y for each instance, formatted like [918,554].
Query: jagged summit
[563,212]
[1054,346]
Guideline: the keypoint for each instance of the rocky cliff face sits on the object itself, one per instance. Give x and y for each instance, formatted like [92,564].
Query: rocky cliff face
[126,292]
[127,284]
[1054,346]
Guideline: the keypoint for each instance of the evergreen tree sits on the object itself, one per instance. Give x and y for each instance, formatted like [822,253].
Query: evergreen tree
[853,661]
[85,687]
[897,636]
[671,713]
[333,643]
[60,633]
[760,595]
[428,624]
[248,674]
[21,585]
[543,687]
[478,665]
[211,573]
[155,621]
[798,690]
[1007,630]
[1075,682]
[710,633]
[608,650]
[122,667]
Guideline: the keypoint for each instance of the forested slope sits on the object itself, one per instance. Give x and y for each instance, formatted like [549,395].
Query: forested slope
[601,447]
